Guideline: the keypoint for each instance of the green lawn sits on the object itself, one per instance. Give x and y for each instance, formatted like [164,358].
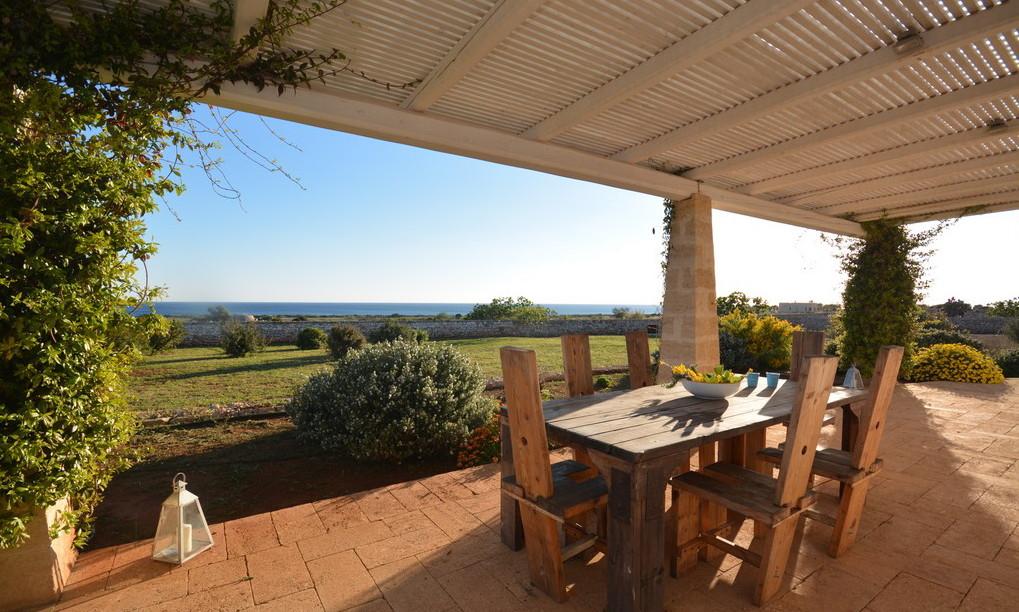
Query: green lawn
[193,378]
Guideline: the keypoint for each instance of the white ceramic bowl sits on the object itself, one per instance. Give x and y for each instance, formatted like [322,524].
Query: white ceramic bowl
[710,390]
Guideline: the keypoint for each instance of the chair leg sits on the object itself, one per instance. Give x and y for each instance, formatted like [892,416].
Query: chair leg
[847,523]
[774,559]
[711,514]
[686,513]
[544,555]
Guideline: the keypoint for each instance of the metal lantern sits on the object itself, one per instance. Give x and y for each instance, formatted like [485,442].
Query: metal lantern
[182,532]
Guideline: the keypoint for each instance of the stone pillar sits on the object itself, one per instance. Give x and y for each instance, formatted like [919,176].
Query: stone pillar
[689,319]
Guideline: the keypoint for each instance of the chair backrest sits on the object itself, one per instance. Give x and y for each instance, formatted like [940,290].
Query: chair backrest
[577,364]
[805,344]
[638,358]
[875,409]
[804,429]
[526,422]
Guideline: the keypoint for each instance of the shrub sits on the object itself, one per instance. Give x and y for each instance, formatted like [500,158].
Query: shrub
[762,343]
[1012,330]
[240,339]
[311,338]
[1005,308]
[391,331]
[508,309]
[1009,363]
[157,333]
[602,382]
[955,308]
[737,301]
[343,339]
[393,401]
[939,330]
[733,351]
[482,445]
[954,362]
[218,313]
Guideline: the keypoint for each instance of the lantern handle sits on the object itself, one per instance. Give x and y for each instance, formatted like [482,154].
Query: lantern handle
[178,477]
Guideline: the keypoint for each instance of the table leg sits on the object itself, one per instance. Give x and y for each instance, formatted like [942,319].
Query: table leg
[637,539]
[511,528]
[711,514]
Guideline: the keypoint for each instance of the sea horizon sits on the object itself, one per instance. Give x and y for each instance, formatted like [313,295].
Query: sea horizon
[194,309]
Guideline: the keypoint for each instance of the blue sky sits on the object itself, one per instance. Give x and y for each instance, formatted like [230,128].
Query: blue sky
[383,222]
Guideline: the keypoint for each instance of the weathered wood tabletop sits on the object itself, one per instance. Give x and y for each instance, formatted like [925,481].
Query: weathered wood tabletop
[637,439]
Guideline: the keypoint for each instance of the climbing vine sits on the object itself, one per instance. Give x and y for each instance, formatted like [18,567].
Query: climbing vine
[95,117]
[881,299]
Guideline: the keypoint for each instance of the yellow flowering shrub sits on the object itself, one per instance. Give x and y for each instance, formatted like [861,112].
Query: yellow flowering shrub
[955,362]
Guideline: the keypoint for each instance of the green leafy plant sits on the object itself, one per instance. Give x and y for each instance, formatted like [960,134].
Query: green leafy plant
[954,362]
[160,333]
[239,339]
[343,339]
[1012,329]
[1005,308]
[391,331]
[311,338]
[508,309]
[955,308]
[394,401]
[752,341]
[95,126]
[939,330]
[881,298]
[738,301]
[1009,363]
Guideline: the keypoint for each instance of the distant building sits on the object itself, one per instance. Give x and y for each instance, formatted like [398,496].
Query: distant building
[799,307]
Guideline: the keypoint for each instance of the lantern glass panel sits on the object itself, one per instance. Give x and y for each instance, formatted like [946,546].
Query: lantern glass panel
[182,532]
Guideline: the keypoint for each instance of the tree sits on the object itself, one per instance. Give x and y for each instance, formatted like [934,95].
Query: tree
[738,301]
[95,117]
[509,309]
[955,308]
[1005,308]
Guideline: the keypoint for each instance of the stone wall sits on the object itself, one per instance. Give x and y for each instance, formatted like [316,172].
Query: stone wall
[810,321]
[206,333]
[980,323]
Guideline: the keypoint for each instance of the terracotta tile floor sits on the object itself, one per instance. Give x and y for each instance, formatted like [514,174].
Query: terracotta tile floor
[939,534]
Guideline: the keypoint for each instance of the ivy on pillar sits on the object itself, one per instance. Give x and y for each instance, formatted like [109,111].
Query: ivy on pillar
[689,319]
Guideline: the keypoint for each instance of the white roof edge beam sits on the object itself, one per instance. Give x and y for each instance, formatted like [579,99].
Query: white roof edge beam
[246,15]
[960,98]
[953,214]
[386,122]
[956,204]
[949,36]
[920,174]
[914,198]
[899,154]
[723,32]
[493,28]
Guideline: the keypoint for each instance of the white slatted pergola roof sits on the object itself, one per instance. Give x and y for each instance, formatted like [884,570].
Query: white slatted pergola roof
[814,113]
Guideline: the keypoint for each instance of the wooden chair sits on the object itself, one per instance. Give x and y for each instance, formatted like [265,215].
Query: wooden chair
[638,359]
[854,470]
[805,344]
[774,504]
[551,497]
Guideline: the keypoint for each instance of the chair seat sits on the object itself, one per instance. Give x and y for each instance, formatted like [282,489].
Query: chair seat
[570,496]
[741,490]
[831,463]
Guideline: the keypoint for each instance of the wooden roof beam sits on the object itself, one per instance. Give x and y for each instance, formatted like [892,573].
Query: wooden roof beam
[959,213]
[956,205]
[886,59]
[960,98]
[920,174]
[359,116]
[723,32]
[905,153]
[493,28]
[913,198]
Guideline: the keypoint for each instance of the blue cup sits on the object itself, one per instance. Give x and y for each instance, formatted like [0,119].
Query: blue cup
[752,379]
[772,379]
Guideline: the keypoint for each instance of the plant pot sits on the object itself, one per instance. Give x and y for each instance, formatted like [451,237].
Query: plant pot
[35,573]
[710,390]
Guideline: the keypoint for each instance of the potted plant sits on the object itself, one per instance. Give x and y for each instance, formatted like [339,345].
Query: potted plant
[717,383]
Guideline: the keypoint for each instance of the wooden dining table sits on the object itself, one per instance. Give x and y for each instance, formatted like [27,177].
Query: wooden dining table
[637,439]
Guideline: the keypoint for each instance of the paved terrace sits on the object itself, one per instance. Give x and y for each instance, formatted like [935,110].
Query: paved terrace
[939,534]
